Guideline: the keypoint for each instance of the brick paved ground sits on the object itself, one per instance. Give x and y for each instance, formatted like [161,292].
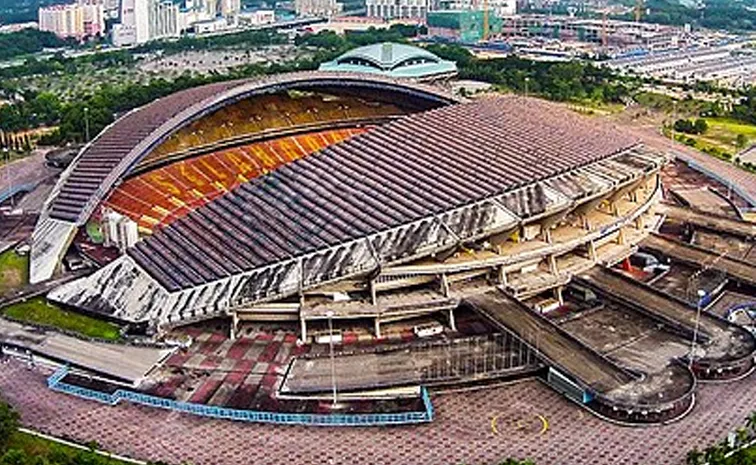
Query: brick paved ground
[461,433]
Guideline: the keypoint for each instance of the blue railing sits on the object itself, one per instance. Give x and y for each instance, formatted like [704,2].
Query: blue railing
[749,307]
[55,383]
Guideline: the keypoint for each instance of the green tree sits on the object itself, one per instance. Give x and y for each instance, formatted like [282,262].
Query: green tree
[700,126]
[8,424]
[741,141]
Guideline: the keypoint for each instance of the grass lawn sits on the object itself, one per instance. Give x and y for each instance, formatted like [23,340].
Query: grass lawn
[725,131]
[39,311]
[14,271]
[13,157]
[95,232]
[594,108]
[51,452]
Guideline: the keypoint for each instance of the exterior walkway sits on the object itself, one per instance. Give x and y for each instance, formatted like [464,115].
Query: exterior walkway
[462,432]
[124,362]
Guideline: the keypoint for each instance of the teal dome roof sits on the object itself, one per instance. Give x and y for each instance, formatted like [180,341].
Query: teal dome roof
[393,60]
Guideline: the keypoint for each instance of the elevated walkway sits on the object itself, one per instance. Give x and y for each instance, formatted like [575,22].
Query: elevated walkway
[710,221]
[736,269]
[580,372]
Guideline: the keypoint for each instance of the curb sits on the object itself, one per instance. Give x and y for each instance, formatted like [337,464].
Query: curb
[80,447]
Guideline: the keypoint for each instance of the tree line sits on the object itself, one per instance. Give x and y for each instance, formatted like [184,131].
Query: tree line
[560,81]
[713,14]
[28,41]
[107,103]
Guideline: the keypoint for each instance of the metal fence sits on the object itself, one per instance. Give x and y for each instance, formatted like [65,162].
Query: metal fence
[471,357]
[55,383]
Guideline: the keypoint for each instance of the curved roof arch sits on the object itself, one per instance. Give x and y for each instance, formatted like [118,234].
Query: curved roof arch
[109,157]
[392,59]
[388,55]
[135,134]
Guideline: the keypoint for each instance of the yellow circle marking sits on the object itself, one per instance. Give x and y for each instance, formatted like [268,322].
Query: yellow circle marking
[493,424]
[544,424]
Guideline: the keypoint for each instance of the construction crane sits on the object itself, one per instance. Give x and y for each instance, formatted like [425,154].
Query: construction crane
[638,10]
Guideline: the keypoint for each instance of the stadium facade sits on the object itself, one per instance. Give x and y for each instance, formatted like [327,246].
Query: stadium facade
[413,177]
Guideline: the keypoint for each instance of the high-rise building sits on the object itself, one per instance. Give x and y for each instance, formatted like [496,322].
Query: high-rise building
[85,18]
[398,9]
[144,20]
[163,19]
[327,8]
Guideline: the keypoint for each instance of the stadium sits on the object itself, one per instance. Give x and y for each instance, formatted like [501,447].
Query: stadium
[437,241]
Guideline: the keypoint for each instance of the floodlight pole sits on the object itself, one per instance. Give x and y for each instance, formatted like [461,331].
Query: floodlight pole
[700,294]
[329,314]
[86,122]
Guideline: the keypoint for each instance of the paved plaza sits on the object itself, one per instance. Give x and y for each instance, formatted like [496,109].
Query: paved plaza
[461,433]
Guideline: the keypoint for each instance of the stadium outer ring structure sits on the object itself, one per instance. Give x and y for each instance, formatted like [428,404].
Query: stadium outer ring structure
[52,236]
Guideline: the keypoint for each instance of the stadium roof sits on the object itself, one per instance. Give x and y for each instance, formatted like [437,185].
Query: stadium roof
[394,60]
[118,149]
[405,190]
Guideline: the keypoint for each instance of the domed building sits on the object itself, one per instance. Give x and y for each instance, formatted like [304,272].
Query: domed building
[393,60]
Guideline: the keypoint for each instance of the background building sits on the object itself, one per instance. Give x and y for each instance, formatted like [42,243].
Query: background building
[393,60]
[163,19]
[73,20]
[327,8]
[462,25]
[144,20]
[397,9]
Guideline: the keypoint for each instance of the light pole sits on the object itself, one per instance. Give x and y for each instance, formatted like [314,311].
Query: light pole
[527,81]
[701,294]
[329,314]
[86,122]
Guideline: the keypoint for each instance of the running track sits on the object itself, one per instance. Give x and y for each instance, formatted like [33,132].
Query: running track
[461,433]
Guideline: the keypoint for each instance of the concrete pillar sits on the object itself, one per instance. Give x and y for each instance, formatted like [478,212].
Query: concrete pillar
[592,252]
[639,223]
[553,265]
[302,327]
[377,327]
[614,209]
[234,325]
[502,278]
[373,293]
[546,232]
[444,285]
[558,295]
[452,320]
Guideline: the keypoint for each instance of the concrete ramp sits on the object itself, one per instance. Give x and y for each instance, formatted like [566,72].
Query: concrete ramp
[725,350]
[586,376]
[710,221]
[560,350]
[122,362]
[696,256]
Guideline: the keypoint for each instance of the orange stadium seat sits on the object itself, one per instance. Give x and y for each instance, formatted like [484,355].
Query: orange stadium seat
[159,197]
